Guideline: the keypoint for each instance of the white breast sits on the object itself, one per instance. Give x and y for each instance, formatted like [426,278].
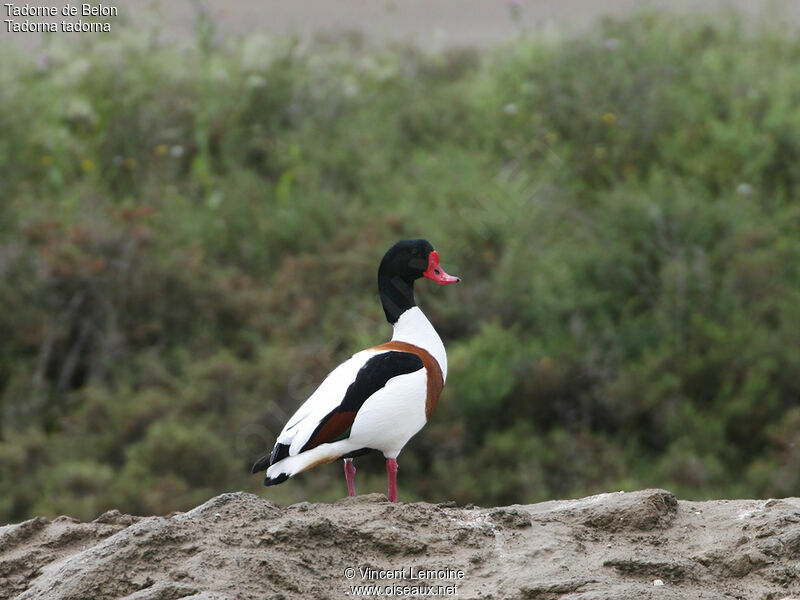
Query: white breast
[413,327]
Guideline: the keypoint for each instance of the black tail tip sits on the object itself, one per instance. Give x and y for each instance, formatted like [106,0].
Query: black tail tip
[275,480]
[261,464]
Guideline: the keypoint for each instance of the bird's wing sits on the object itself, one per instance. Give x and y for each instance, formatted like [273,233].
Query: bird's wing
[327,396]
[331,409]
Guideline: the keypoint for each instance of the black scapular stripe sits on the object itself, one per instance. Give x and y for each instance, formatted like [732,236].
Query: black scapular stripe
[373,376]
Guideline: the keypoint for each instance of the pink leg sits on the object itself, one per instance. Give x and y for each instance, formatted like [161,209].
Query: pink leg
[349,474]
[391,471]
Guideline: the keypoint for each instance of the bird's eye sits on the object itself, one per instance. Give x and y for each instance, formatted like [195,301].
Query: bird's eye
[436,271]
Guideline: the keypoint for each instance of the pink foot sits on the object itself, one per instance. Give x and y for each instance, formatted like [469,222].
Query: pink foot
[349,474]
[391,471]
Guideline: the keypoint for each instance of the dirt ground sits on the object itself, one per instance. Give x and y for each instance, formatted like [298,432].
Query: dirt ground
[636,545]
[426,22]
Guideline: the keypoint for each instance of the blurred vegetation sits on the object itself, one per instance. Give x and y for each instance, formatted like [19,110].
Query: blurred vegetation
[190,233]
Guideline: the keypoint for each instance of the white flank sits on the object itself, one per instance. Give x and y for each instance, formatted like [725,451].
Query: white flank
[392,415]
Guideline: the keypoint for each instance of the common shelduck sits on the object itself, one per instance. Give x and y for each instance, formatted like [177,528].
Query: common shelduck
[380,397]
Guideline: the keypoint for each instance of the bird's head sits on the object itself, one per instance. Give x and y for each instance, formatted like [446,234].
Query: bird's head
[411,259]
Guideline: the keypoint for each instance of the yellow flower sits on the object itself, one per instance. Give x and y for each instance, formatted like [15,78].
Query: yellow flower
[87,164]
[130,163]
[609,118]
[47,160]
[551,138]
[160,150]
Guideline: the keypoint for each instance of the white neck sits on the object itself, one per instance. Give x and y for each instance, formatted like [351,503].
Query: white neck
[413,327]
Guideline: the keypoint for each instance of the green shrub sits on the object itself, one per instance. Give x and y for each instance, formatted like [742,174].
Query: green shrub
[189,239]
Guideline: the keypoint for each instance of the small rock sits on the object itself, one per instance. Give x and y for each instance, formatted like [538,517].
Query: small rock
[511,518]
[657,582]
[643,511]
[66,519]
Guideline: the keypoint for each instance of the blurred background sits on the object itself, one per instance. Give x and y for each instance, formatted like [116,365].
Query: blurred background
[193,208]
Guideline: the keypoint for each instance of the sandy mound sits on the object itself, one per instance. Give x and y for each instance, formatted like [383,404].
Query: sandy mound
[612,546]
